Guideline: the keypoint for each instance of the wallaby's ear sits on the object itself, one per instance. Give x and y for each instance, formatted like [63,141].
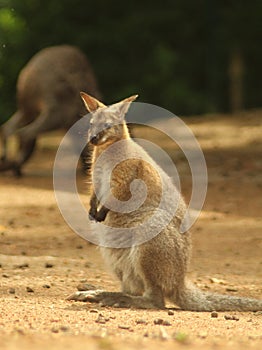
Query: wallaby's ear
[91,103]
[122,107]
[130,99]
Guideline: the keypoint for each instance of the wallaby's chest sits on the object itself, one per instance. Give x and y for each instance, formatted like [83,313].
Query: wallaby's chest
[111,178]
[101,179]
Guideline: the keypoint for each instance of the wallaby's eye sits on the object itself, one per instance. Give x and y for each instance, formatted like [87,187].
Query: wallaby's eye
[107,125]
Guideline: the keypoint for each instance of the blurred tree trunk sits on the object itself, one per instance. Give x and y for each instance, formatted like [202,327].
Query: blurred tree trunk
[236,73]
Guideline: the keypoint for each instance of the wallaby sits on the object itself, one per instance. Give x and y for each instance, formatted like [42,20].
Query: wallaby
[155,269]
[47,99]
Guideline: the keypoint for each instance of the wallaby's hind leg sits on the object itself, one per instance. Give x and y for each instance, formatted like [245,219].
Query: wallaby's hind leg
[138,291]
[28,135]
[132,285]
[152,298]
[47,120]
[9,128]
[105,298]
[26,148]
[16,122]
[25,152]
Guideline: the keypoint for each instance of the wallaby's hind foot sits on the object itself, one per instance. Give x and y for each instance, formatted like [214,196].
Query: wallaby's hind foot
[7,165]
[115,299]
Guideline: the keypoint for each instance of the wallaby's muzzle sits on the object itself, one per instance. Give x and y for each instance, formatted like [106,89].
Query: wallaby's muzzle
[96,139]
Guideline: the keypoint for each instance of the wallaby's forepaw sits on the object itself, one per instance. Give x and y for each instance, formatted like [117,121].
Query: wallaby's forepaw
[92,214]
[98,216]
[101,215]
[91,218]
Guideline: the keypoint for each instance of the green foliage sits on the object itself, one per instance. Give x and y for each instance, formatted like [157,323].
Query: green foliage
[12,30]
[172,53]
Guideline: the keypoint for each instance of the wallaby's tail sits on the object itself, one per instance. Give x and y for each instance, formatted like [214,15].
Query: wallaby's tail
[193,299]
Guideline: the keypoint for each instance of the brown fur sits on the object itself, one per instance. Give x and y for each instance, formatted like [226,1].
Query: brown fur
[154,270]
[47,99]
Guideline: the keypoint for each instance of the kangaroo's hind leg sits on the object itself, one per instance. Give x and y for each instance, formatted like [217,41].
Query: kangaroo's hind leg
[14,123]
[27,136]
[26,148]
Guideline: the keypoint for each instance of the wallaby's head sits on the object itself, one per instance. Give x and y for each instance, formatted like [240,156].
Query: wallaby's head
[107,123]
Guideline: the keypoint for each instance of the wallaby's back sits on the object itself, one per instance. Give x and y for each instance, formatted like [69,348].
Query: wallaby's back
[53,79]
[47,98]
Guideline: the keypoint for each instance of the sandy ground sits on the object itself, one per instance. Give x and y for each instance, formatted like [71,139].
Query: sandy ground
[42,260]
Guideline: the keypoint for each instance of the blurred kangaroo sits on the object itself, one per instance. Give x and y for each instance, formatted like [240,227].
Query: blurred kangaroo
[154,270]
[47,99]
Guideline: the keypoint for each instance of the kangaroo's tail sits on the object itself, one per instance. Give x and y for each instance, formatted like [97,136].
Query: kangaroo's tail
[193,299]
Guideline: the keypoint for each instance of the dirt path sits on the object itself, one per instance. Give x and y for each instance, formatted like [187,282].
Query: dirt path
[42,260]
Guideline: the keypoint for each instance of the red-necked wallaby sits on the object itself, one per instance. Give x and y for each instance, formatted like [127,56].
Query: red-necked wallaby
[47,99]
[155,269]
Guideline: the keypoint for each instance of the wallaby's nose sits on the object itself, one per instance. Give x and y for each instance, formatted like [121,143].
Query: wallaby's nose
[94,140]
